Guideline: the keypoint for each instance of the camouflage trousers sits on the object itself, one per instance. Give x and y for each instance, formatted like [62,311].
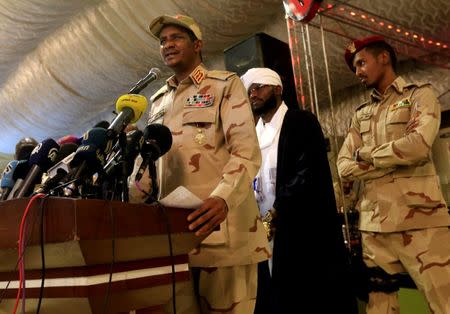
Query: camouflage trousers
[424,254]
[220,290]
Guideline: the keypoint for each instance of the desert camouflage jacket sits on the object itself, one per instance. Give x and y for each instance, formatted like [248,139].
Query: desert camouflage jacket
[393,134]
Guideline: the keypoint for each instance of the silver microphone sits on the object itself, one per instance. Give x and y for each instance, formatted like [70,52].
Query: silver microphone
[152,75]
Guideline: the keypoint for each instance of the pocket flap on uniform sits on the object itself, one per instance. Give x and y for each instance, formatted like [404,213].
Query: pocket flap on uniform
[203,115]
[399,115]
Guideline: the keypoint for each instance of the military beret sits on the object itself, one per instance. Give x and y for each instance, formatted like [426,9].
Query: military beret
[358,44]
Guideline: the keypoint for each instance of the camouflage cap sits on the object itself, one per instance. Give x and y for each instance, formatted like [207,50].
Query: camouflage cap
[357,45]
[181,20]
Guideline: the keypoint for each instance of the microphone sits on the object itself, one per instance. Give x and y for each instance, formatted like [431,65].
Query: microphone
[90,156]
[152,75]
[157,142]
[22,168]
[24,148]
[61,168]
[69,139]
[102,124]
[41,159]
[8,181]
[131,108]
[135,141]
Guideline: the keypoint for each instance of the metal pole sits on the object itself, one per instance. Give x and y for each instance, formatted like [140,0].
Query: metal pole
[333,124]
[312,72]
[307,69]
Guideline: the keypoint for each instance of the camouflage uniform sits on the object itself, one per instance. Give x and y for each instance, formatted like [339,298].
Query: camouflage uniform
[215,152]
[403,216]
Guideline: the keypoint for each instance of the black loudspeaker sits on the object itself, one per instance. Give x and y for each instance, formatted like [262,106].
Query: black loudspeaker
[262,50]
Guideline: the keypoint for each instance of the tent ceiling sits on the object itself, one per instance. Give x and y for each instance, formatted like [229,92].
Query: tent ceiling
[64,63]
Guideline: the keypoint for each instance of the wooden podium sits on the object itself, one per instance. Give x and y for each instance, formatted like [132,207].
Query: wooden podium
[79,252]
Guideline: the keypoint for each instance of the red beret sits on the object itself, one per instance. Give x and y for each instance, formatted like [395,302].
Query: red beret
[358,44]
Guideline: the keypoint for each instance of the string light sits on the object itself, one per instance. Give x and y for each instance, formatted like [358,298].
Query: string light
[379,23]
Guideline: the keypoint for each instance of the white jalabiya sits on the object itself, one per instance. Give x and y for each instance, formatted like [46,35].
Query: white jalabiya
[265,181]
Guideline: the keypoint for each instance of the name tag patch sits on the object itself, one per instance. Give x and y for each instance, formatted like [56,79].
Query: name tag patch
[401,104]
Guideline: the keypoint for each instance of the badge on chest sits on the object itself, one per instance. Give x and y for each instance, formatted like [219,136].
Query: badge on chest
[200,101]
[404,103]
[199,136]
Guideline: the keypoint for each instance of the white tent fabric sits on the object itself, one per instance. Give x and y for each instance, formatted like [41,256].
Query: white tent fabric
[63,64]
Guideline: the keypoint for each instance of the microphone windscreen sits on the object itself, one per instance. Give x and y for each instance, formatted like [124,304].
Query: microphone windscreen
[135,139]
[68,139]
[44,155]
[138,103]
[22,168]
[160,135]
[94,147]
[98,137]
[102,124]
[65,150]
[7,176]
[24,148]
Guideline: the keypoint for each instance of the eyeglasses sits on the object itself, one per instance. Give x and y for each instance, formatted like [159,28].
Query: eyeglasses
[256,88]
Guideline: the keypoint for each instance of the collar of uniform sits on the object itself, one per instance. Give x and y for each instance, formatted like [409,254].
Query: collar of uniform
[398,84]
[196,76]
[171,82]
[375,95]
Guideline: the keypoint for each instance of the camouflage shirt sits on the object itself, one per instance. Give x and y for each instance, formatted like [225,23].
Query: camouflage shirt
[393,134]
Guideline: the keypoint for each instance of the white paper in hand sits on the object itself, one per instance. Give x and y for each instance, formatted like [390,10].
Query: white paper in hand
[182,197]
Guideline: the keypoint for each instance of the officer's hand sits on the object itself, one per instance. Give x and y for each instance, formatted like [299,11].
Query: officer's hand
[209,216]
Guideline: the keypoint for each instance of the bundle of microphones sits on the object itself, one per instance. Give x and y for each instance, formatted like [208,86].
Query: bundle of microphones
[96,165]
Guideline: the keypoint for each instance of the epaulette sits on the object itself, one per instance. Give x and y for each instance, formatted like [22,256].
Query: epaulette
[416,84]
[220,75]
[362,105]
[159,93]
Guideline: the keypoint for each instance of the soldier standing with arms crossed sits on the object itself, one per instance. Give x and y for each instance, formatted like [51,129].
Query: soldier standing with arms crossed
[403,216]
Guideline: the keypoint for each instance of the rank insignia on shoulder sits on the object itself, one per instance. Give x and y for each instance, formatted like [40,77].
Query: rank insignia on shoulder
[198,75]
[200,101]
[401,104]
[156,116]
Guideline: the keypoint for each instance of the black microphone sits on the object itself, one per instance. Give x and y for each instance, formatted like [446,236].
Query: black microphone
[24,148]
[41,159]
[90,156]
[22,168]
[59,171]
[157,142]
[152,75]
[135,140]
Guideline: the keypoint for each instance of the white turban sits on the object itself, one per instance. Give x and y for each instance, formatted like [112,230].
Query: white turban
[261,76]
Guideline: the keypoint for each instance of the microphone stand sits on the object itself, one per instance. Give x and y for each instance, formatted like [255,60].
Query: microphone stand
[155,189]
[123,175]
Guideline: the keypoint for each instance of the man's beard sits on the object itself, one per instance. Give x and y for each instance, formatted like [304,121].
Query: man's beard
[268,105]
